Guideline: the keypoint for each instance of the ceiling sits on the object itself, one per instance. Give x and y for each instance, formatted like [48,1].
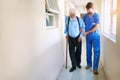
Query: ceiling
[80,4]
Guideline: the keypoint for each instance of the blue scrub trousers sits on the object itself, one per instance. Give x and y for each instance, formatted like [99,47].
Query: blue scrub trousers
[93,41]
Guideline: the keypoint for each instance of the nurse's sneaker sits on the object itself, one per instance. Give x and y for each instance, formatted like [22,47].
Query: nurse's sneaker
[95,72]
[87,67]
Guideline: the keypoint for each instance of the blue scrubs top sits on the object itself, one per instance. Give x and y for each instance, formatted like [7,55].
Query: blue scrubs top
[90,22]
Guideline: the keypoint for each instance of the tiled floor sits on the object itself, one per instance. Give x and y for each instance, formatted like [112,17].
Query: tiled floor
[81,74]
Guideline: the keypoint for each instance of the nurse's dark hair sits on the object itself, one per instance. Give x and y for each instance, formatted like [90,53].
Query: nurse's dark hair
[89,5]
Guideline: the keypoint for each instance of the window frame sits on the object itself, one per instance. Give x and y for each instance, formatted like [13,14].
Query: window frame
[49,14]
[52,12]
[109,33]
[50,9]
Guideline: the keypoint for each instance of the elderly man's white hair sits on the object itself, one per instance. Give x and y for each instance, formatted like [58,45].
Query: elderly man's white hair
[72,10]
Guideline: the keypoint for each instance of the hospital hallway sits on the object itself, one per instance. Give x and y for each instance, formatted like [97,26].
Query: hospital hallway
[82,74]
[33,44]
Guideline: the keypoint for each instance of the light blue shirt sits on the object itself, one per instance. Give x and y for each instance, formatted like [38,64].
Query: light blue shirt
[72,29]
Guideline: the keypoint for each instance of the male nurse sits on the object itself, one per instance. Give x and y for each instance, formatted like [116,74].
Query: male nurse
[92,34]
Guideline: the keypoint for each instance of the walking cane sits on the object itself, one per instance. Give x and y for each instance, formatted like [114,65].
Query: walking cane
[66,53]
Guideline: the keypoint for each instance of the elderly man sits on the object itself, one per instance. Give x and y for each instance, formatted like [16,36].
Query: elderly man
[92,34]
[73,30]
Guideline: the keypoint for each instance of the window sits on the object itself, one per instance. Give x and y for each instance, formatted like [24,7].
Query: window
[52,6]
[52,11]
[110,19]
[50,19]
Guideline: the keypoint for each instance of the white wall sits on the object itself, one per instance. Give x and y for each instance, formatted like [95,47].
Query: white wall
[111,53]
[29,51]
[110,56]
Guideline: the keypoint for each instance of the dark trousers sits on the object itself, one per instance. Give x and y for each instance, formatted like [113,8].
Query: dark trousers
[75,51]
